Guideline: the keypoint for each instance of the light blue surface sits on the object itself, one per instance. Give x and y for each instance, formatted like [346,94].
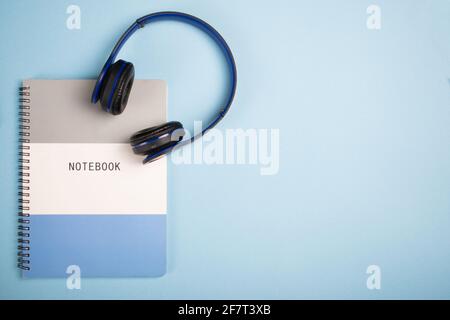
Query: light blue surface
[364,157]
[100,245]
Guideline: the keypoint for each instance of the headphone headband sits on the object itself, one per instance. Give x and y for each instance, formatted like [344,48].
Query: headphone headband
[194,21]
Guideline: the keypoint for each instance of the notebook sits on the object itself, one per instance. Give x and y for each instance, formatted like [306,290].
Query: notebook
[85,199]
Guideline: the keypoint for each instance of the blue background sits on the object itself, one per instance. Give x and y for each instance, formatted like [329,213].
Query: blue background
[364,156]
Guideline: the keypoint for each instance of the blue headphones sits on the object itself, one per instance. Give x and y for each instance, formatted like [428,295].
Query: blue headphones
[115,81]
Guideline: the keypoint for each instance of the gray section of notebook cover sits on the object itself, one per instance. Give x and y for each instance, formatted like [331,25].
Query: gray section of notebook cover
[61,112]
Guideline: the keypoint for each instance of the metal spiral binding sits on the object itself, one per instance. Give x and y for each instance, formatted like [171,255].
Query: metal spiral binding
[23,260]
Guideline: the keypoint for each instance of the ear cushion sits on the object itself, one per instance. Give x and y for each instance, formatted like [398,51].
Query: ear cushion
[156,141]
[116,87]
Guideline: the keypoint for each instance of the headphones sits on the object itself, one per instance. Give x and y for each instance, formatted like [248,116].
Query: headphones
[115,81]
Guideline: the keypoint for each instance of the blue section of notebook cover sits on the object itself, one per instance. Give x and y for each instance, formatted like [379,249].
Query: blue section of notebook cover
[101,245]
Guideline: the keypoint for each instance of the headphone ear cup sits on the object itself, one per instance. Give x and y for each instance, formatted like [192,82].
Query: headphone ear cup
[157,141]
[116,87]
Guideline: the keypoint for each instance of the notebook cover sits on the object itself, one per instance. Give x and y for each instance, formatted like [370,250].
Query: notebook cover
[87,200]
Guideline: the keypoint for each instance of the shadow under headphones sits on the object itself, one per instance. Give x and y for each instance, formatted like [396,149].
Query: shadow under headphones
[115,81]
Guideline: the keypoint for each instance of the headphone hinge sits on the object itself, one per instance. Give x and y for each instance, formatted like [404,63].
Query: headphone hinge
[140,23]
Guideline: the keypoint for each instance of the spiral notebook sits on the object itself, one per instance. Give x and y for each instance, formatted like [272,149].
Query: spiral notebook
[85,200]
